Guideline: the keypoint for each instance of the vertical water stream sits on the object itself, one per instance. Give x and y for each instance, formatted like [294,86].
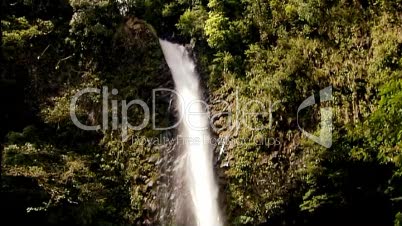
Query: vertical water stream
[194,135]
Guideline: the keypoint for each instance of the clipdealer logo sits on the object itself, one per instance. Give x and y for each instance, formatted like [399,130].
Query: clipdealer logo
[324,138]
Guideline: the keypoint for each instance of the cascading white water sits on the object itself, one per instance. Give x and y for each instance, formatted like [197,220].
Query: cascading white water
[194,132]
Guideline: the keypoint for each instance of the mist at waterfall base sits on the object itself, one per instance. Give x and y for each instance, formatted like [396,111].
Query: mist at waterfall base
[198,166]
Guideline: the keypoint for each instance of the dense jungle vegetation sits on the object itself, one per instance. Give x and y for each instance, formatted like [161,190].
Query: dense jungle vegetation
[53,173]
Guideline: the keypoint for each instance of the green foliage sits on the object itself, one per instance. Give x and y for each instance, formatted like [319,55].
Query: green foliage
[217,30]
[192,22]
[398,219]
[276,52]
[18,34]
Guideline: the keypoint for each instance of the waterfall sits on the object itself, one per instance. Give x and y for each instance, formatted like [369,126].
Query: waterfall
[194,135]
